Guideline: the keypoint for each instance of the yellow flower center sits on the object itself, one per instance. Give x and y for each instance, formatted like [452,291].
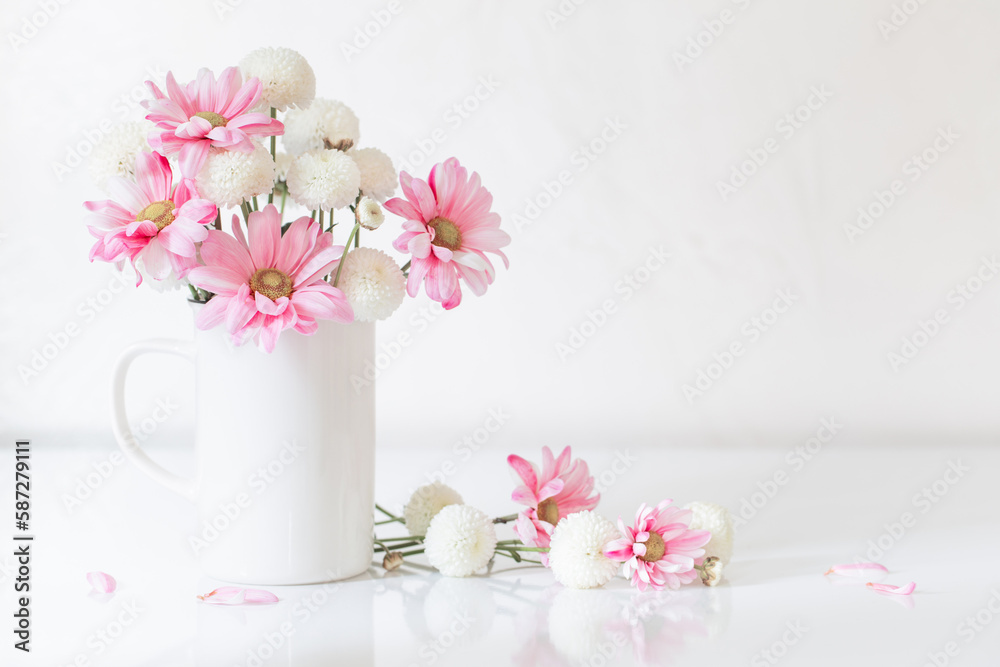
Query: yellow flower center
[215,119]
[446,233]
[160,213]
[548,510]
[272,283]
[654,548]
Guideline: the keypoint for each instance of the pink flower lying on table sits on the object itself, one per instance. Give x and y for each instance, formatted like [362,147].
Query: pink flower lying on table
[659,551]
[207,113]
[563,487]
[270,283]
[449,228]
[150,221]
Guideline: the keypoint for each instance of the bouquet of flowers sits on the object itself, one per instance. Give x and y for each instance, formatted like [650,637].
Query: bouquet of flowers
[212,145]
[666,546]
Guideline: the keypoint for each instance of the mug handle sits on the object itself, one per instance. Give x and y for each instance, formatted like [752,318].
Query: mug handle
[123,432]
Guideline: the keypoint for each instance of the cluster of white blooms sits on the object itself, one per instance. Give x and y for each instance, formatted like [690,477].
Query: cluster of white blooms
[319,166]
[330,127]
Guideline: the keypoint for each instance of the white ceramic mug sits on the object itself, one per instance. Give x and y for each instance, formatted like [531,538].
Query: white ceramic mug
[285,449]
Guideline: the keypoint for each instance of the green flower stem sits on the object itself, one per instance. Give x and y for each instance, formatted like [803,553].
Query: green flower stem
[400,539]
[404,554]
[340,266]
[270,195]
[284,195]
[406,272]
[395,547]
[320,221]
[245,208]
[385,511]
[194,292]
[392,520]
[218,219]
[499,519]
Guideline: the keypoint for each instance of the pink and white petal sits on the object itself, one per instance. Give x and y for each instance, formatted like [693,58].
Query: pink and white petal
[420,246]
[155,259]
[176,241]
[522,495]
[402,208]
[418,271]
[269,307]
[192,157]
[223,250]
[264,230]
[524,470]
[213,313]
[245,98]
[217,279]
[550,489]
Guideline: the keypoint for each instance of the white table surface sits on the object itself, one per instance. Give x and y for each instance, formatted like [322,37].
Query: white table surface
[825,513]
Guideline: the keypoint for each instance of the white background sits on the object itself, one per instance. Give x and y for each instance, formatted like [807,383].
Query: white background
[559,82]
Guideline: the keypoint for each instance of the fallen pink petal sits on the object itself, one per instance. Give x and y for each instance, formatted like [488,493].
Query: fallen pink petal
[848,568]
[102,582]
[232,595]
[895,590]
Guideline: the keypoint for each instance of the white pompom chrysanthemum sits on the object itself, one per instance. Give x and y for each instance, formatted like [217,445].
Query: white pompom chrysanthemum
[426,501]
[288,80]
[378,176]
[373,283]
[717,520]
[460,541]
[325,124]
[369,213]
[576,552]
[229,177]
[323,179]
[115,154]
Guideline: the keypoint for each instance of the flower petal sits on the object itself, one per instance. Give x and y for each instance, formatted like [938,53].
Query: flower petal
[102,582]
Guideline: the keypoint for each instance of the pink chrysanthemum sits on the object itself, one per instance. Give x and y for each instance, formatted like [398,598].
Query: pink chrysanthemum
[205,113]
[449,228]
[270,283]
[659,551]
[563,487]
[150,220]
